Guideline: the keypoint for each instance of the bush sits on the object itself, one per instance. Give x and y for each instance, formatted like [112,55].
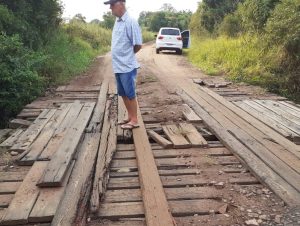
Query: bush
[287,38]
[231,26]
[20,83]
[66,57]
[99,38]
[147,35]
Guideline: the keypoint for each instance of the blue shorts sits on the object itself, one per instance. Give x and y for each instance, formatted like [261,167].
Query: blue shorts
[126,84]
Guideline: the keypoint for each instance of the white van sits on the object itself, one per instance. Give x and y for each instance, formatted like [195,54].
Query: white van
[170,38]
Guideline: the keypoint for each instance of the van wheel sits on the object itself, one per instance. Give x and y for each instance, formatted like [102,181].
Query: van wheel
[157,51]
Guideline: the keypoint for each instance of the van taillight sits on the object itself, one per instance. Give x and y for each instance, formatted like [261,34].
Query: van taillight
[179,38]
[161,37]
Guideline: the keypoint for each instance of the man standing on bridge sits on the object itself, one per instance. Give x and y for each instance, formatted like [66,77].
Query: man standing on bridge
[126,42]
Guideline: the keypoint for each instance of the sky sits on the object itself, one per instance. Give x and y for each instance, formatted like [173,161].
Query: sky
[94,9]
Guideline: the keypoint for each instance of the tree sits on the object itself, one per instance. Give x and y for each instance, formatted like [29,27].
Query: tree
[79,17]
[167,7]
[109,20]
[33,20]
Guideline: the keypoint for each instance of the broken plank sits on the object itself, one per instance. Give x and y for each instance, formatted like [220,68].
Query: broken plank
[190,115]
[176,137]
[193,135]
[24,199]
[46,134]
[59,163]
[160,140]
[26,139]
[106,149]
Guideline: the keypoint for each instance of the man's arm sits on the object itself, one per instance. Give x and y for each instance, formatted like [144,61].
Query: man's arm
[137,48]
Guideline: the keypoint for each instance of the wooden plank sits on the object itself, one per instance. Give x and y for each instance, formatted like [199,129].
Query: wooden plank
[289,108]
[198,81]
[24,115]
[77,193]
[289,126]
[183,181]
[173,153]
[46,134]
[266,117]
[60,132]
[95,124]
[180,162]
[135,195]
[9,187]
[175,136]
[26,139]
[107,147]
[4,133]
[213,219]
[193,136]
[190,115]
[122,115]
[12,176]
[10,141]
[47,203]
[177,172]
[294,107]
[159,139]
[259,168]
[275,108]
[5,200]
[256,123]
[95,88]
[20,207]
[178,208]
[281,161]
[155,203]
[59,163]
[19,123]
[112,89]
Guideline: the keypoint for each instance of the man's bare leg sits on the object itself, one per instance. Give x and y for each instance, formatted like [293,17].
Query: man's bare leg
[131,106]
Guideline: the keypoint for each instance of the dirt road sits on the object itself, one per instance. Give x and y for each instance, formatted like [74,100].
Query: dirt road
[158,83]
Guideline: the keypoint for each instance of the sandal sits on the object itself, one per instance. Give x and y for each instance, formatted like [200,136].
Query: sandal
[125,121]
[130,126]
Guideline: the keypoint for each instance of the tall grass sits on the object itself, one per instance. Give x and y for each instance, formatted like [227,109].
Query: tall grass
[147,35]
[72,49]
[242,59]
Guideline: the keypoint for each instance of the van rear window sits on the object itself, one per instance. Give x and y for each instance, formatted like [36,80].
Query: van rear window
[170,32]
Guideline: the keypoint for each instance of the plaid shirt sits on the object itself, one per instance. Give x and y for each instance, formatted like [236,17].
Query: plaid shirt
[126,34]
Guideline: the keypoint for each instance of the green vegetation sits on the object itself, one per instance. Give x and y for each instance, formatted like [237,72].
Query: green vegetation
[253,41]
[39,50]
[167,17]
